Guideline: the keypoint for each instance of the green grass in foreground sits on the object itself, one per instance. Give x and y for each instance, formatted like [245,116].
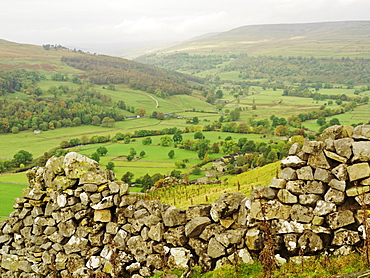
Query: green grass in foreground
[8,192]
[319,267]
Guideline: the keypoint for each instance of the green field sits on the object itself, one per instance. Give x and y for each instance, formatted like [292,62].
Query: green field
[185,196]
[8,192]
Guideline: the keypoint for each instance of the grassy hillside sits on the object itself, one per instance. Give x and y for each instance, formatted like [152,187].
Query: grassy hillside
[329,39]
[185,196]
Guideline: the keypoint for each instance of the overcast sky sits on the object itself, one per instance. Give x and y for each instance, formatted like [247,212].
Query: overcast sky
[81,23]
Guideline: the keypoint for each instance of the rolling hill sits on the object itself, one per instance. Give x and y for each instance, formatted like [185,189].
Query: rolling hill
[324,39]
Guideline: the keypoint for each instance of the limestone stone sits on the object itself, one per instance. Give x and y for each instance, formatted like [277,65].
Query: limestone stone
[120,238]
[231,237]
[277,183]
[358,171]
[227,223]
[215,249]
[55,165]
[340,219]
[272,209]
[340,172]
[244,256]
[361,132]
[90,187]
[361,151]
[323,175]
[176,236]
[67,228]
[324,208]
[106,202]
[313,187]
[62,200]
[198,211]
[263,192]
[343,147]
[345,237]
[288,174]
[329,145]
[297,187]
[128,200]
[292,161]
[210,231]
[102,215]
[318,160]
[309,199]
[10,262]
[357,190]
[363,199]
[179,257]
[174,217]
[338,185]
[301,213]
[156,232]
[335,156]
[75,244]
[286,197]
[365,181]
[33,193]
[312,146]
[227,204]
[334,196]
[62,183]
[75,164]
[290,242]
[281,226]
[254,239]
[309,241]
[318,220]
[196,226]
[333,132]
[90,177]
[294,149]
[305,173]
[95,197]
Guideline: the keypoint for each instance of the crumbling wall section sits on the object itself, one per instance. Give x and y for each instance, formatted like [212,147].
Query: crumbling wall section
[75,220]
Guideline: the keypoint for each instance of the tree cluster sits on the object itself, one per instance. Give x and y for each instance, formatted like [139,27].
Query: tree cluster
[111,70]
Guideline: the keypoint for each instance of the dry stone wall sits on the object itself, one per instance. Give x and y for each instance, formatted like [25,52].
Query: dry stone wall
[75,220]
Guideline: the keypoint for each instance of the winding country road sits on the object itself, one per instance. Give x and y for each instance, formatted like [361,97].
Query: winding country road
[156,101]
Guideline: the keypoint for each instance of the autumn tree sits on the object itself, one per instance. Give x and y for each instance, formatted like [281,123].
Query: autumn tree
[281,130]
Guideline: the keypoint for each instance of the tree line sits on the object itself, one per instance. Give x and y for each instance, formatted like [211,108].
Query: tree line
[102,69]
[68,107]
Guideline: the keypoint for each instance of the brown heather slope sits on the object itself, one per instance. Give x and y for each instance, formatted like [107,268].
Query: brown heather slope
[325,39]
[33,57]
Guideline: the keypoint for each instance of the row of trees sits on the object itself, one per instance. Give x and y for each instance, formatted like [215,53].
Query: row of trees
[20,159]
[81,106]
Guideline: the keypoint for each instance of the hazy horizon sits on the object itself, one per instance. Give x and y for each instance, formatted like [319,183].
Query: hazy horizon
[121,25]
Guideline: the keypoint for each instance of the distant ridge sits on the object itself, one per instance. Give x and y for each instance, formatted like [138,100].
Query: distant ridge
[321,39]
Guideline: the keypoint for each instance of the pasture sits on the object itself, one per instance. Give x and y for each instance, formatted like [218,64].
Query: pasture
[8,192]
[183,196]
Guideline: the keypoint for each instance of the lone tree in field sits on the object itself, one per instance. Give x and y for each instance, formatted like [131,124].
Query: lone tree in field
[95,156]
[127,177]
[102,151]
[22,157]
[171,154]
[110,165]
